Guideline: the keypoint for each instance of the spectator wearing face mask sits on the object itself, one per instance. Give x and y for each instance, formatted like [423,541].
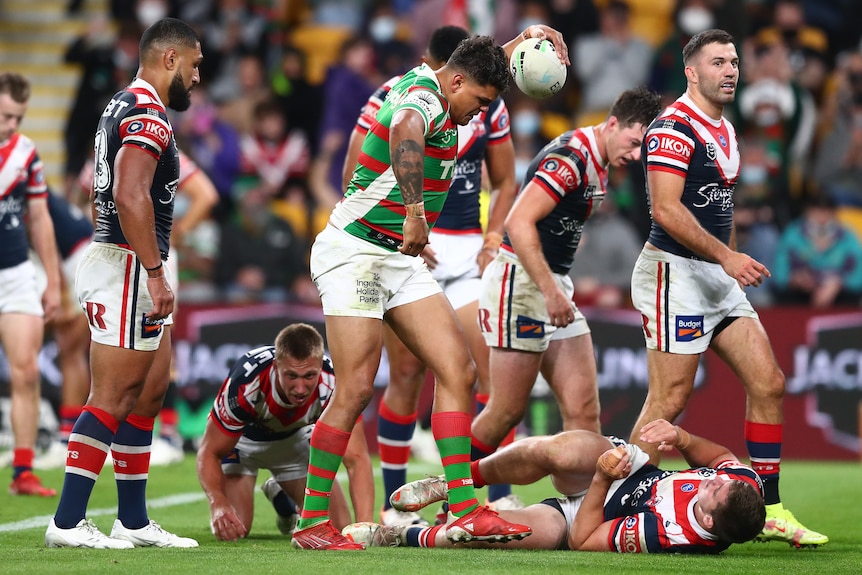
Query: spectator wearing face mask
[818,261]
[773,108]
[667,76]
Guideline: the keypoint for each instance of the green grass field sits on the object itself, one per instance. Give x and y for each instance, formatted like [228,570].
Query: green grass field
[824,495]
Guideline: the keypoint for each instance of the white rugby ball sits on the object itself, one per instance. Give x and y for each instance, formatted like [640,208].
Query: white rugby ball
[537,69]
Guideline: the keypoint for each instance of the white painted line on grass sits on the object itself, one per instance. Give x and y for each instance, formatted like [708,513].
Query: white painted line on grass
[42,521]
[179,499]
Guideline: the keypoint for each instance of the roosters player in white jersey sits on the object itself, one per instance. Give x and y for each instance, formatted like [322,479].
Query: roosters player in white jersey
[687,280]
[526,312]
[262,418]
[122,285]
[624,505]
[23,309]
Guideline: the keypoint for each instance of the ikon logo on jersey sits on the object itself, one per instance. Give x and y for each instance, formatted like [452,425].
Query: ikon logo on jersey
[675,147]
[689,327]
[529,328]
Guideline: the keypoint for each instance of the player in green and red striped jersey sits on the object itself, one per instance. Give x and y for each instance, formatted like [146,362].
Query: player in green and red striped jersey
[365,268]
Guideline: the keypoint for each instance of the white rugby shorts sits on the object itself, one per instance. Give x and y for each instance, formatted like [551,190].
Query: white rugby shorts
[286,458]
[19,290]
[111,286]
[512,310]
[357,278]
[682,300]
[457,270]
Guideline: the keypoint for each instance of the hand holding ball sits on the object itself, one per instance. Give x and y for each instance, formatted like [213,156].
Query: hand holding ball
[537,69]
[610,459]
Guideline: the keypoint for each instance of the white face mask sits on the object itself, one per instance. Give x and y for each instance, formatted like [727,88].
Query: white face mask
[526,123]
[149,13]
[383,28]
[694,20]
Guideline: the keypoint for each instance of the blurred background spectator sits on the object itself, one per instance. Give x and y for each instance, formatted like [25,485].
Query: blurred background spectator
[608,62]
[347,87]
[260,257]
[818,261]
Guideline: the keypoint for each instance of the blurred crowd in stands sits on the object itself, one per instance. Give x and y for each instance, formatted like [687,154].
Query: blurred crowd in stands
[283,82]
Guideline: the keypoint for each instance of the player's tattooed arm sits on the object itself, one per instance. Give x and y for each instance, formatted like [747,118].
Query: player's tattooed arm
[408,163]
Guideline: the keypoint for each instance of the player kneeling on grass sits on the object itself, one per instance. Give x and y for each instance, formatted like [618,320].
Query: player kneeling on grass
[615,500]
[262,418]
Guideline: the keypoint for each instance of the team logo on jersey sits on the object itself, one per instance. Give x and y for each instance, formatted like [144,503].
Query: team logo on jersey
[529,328]
[687,487]
[652,145]
[710,150]
[550,165]
[631,522]
[135,127]
[689,327]
[722,140]
[653,501]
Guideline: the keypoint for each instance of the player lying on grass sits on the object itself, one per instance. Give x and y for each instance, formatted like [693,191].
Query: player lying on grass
[624,504]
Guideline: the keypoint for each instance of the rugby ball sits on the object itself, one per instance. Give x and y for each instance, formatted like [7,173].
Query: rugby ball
[536,68]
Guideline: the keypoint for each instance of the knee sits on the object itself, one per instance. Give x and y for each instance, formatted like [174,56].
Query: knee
[25,375]
[769,389]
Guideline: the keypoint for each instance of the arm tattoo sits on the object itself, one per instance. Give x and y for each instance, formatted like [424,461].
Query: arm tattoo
[409,167]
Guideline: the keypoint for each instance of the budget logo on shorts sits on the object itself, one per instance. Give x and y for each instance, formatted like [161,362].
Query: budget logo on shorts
[689,327]
[529,328]
[151,328]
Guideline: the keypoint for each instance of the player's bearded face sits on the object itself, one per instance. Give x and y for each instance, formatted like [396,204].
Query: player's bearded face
[179,96]
[718,73]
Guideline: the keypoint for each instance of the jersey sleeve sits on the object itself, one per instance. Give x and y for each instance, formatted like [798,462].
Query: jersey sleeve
[499,129]
[146,126]
[373,105]
[430,106]
[636,534]
[670,144]
[232,410]
[188,168]
[36,186]
[560,172]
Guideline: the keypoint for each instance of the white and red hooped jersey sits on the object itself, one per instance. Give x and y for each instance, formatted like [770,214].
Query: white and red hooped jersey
[21,180]
[653,510]
[135,117]
[573,173]
[685,141]
[248,403]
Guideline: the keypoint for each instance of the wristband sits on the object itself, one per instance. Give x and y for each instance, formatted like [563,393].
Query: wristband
[416,210]
[155,269]
[684,438]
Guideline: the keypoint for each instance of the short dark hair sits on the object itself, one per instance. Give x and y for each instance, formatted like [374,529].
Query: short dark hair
[698,41]
[16,86]
[481,59]
[444,40]
[742,515]
[170,31]
[636,106]
[299,341]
